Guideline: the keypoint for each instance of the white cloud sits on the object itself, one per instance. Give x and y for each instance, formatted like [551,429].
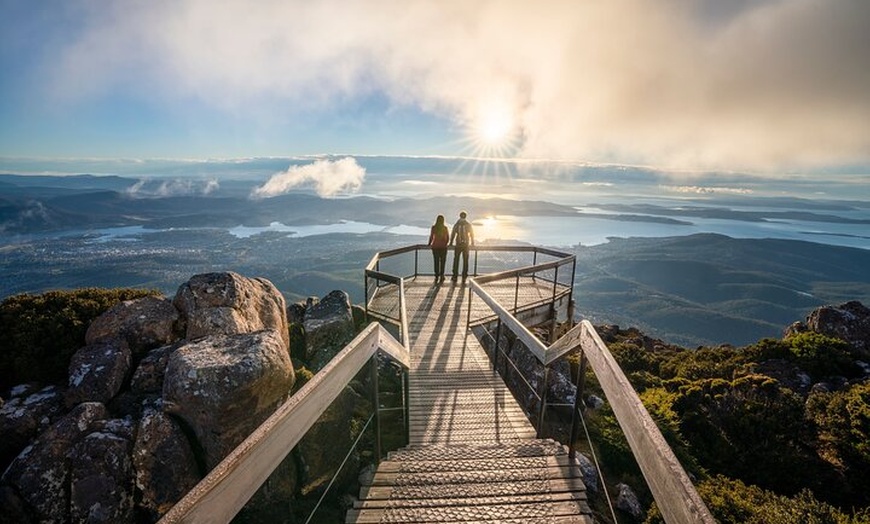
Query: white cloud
[327,177]
[147,187]
[681,83]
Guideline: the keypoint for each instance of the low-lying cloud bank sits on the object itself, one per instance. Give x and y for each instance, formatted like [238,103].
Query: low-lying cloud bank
[327,177]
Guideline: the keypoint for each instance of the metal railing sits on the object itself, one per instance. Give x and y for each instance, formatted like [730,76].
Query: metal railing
[229,486]
[674,493]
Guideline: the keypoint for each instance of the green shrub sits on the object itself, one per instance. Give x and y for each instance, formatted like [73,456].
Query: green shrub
[40,333]
[821,355]
[843,422]
[733,502]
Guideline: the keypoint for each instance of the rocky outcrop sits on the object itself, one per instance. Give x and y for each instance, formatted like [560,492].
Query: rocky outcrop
[849,322]
[101,479]
[97,372]
[329,326]
[223,387]
[27,413]
[229,304]
[40,473]
[164,463]
[159,395]
[142,324]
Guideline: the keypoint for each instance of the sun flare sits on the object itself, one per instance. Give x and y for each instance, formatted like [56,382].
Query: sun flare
[494,125]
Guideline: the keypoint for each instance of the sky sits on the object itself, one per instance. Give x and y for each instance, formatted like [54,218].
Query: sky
[774,86]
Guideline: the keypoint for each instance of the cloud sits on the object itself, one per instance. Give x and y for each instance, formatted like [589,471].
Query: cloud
[677,83]
[146,187]
[328,177]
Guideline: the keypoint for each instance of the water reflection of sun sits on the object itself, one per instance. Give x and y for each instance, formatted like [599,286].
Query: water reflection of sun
[493,227]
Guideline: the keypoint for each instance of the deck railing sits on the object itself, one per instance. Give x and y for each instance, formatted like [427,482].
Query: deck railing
[229,486]
[675,495]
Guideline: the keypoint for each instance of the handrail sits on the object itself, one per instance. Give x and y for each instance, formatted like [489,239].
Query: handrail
[229,486]
[674,493]
[677,498]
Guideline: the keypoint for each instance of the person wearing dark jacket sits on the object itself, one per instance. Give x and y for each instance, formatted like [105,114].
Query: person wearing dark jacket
[462,238]
[439,237]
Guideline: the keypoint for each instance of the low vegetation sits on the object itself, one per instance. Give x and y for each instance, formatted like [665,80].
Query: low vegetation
[776,432]
[40,333]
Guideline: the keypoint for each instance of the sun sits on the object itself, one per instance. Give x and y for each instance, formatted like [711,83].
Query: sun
[494,126]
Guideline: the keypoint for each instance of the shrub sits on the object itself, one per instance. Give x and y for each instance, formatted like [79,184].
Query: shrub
[733,502]
[40,333]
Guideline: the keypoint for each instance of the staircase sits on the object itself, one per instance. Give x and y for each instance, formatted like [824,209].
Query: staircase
[473,455]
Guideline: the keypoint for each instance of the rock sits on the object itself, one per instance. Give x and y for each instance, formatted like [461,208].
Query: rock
[148,377]
[358,313]
[594,402]
[40,473]
[296,313]
[121,427]
[97,372]
[849,321]
[164,463]
[328,328]
[230,304]
[587,470]
[25,416]
[224,386]
[144,324]
[101,479]
[787,373]
[627,501]
[14,508]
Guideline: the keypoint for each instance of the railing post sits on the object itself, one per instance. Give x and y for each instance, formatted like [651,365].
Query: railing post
[373,369]
[406,406]
[468,319]
[367,296]
[497,347]
[516,294]
[578,403]
[416,253]
[475,260]
[542,404]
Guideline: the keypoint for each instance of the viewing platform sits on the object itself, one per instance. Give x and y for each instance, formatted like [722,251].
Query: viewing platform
[472,452]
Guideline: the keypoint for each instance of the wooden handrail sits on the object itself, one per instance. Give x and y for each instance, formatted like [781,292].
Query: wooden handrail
[676,496]
[674,493]
[229,486]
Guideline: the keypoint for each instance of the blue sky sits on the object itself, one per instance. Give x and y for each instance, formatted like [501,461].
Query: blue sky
[767,85]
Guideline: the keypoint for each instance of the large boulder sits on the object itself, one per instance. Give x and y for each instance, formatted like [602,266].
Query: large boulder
[164,463]
[25,415]
[41,473]
[229,304]
[849,321]
[101,479]
[97,372]
[144,324]
[328,327]
[224,386]
[148,377]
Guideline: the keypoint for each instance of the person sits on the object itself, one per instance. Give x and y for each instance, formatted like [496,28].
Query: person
[462,238]
[439,236]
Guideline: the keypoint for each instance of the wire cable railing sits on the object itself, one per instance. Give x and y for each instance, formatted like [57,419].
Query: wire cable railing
[671,487]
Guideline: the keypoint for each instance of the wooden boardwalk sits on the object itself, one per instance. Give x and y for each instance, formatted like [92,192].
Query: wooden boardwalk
[473,455]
